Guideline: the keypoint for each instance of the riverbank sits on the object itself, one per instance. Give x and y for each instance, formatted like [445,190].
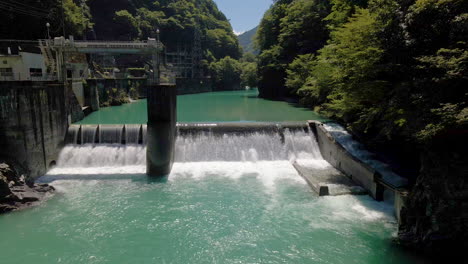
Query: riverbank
[18,192]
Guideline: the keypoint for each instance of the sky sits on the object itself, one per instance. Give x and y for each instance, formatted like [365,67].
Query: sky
[244,14]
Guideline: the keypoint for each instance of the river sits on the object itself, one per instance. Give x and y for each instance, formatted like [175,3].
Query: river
[230,199]
[230,106]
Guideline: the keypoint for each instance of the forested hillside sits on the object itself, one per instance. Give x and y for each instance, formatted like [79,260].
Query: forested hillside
[124,20]
[384,67]
[27,19]
[396,74]
[246,40]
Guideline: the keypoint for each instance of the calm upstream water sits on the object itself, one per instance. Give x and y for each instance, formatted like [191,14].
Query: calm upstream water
[231,106]
[231,199]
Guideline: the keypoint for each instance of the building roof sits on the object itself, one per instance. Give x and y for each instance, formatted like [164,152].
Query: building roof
[12,47]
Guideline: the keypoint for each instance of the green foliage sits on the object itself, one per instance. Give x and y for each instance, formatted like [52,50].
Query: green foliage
[222,42]
[115,97]
[354,54]
[134,93]
[226,73]
[447,116]
[288,29]
[298,72]
[341,11]
[77,18]
[178,22]
[248,64]
[384,71]
[127,24]
[249,74]
[248,57]
[28,25]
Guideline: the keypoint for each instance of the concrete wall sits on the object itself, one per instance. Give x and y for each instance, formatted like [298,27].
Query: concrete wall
[33,123]
[341,159]
[78,89]
[20,64]
[358,171]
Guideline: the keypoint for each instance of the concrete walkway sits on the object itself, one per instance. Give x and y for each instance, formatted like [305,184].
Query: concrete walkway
[327,181]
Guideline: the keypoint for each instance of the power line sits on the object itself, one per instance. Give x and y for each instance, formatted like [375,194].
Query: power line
[23,5]
[20,10]
[6,8]
[25,8]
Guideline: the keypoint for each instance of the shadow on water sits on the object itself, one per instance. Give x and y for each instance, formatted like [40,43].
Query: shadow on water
[156,180]
[294,102]
[250,96]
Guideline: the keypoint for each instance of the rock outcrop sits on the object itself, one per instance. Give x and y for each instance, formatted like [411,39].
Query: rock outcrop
[435,217]
[18,193]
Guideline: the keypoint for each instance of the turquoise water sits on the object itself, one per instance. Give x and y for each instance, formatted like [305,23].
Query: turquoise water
[230,199]
[206,212]
[232,106]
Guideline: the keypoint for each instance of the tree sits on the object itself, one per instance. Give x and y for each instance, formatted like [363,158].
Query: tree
[226,73]
[127,25]
[249,74]
[298,71]
[288,29]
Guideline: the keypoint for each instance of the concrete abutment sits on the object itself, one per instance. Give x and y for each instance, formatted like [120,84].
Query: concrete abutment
[34,121]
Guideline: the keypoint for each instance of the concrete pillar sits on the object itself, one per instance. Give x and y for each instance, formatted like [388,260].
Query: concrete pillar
[161,134]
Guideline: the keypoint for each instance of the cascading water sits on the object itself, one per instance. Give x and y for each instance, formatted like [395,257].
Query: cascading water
[199,147]
[229,199]
[251,147]
[233,198]
[88,134]
[133,134]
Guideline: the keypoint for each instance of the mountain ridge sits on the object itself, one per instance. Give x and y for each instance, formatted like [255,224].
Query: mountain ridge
[246,41]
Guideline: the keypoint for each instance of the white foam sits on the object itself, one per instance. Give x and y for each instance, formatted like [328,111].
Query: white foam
[105,170]
[83,156]
[268,172]
[262,156]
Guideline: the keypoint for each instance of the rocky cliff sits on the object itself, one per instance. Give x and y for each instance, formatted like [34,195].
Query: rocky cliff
[435,217]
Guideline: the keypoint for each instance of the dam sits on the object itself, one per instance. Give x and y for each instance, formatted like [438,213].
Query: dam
[234,195]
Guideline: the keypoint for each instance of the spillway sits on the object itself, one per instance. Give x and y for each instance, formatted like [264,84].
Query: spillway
[231,198]
[203,146]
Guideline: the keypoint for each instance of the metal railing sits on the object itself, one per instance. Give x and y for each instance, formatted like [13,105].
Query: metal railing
[101,44]
[14,77]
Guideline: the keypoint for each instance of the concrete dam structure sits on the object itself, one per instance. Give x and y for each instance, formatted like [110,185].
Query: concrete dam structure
[308,145]
[34,117]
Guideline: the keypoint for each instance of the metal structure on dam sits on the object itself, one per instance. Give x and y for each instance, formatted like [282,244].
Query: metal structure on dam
[35,119]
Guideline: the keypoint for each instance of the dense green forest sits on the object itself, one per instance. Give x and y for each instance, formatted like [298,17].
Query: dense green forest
[385,67]
[395,72]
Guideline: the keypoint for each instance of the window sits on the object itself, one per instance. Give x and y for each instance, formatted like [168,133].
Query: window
[69,74]
[6,72]
[35,72]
